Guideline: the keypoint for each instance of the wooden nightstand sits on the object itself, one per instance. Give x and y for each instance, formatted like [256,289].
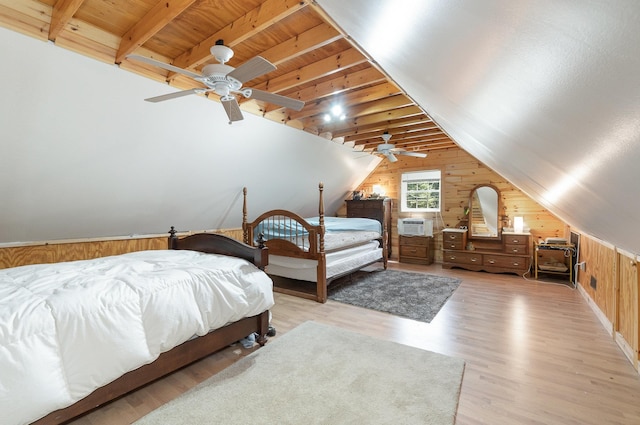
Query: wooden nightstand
[416,249]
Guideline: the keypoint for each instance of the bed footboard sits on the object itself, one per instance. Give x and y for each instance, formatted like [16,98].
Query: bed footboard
[213,243]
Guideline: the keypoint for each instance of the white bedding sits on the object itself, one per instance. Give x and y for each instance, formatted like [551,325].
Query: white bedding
[338,262]
[69,328]
[339,240]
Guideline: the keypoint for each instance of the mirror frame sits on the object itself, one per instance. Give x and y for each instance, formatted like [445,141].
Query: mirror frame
[498,214]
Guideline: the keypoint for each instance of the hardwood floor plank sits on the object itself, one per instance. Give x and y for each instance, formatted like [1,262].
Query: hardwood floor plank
[535,353]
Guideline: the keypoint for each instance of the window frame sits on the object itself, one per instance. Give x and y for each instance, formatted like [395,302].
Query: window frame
[416,177]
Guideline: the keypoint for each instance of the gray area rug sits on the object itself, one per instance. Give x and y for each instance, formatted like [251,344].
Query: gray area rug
[319,374]
[416,296]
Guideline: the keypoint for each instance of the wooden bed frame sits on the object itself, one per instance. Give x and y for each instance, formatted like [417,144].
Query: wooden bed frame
[190,351]
[290,247]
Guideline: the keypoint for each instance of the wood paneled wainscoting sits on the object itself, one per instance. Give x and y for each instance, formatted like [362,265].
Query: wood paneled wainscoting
[81,249]
[610,283]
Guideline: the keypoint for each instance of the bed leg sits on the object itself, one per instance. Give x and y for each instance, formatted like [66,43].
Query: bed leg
[264,328]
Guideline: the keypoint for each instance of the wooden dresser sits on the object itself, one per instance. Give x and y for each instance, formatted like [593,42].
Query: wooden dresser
[416,249]
[377,209]
[509,254]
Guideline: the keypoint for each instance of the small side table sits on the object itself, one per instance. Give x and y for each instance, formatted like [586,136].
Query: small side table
[416,249]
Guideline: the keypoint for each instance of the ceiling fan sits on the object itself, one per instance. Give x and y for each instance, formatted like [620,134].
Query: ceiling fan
[226,81]
[390,151]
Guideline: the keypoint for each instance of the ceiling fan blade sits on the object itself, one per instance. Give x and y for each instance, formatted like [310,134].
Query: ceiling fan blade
[174,95]
[163,65]
[232,108]
[276,99]
[251,69]
[407,153]
[391,157]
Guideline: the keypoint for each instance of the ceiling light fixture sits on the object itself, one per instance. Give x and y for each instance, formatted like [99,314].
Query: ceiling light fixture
[336,112]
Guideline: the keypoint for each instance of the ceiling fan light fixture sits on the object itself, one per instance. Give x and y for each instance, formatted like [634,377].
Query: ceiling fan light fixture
[221,52]
[225,80]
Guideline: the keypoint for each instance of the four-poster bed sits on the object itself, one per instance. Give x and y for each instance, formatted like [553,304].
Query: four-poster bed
[306,254]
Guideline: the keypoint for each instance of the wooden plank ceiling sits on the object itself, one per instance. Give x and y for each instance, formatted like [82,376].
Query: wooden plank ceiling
[315,62]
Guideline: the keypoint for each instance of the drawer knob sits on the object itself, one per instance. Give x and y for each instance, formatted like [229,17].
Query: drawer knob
[492,261]
[516,264]
[473,260]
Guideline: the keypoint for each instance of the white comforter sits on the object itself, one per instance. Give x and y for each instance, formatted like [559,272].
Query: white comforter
[69,328]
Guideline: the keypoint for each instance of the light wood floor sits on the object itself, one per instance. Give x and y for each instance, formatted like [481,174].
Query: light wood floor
[535,354]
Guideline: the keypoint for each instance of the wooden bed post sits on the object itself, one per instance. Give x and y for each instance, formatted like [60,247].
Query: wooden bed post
[321,285]
[245,230]
[173,239]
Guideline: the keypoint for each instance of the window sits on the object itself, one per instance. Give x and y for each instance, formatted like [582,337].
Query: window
[420,191]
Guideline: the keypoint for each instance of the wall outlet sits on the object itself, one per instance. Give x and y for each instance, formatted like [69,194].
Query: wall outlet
[582,265]
[593,283]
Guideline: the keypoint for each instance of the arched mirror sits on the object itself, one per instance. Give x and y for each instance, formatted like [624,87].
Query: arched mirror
[484,207]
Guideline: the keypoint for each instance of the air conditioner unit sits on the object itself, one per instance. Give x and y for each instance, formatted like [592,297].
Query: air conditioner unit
[415,227]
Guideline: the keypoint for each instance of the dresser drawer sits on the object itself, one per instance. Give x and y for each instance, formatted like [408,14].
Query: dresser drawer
[453,236]
[454,240]
[516,249]
[470,258]
[506,261]
[412,240]
[516,239]
[413,251]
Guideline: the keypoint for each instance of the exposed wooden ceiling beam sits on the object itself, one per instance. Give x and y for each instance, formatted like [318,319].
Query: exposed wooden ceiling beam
[321,126]
[384,125]
[319,69]
[365,135]
[62,13]
[156,19]
[368,94]
[338,85]
[318,36]
[250,24]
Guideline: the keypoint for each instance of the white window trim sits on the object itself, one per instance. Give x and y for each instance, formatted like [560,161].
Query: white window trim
[412,176]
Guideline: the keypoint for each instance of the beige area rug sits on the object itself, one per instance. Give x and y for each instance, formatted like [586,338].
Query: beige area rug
[319,374]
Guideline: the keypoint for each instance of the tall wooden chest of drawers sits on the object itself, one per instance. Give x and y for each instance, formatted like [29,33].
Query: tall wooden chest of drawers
[377,209]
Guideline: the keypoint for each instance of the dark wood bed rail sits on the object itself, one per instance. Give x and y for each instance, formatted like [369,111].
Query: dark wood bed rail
[224,245]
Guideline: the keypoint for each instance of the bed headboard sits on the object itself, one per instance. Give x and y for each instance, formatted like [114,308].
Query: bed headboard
[213,243]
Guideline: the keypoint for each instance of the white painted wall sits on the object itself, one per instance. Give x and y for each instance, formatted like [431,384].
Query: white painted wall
[82,155]
[546,93]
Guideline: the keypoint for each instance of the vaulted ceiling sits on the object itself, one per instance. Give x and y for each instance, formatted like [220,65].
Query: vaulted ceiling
[315,62]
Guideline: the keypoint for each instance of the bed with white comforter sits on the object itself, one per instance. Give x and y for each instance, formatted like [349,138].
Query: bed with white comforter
[69,328]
